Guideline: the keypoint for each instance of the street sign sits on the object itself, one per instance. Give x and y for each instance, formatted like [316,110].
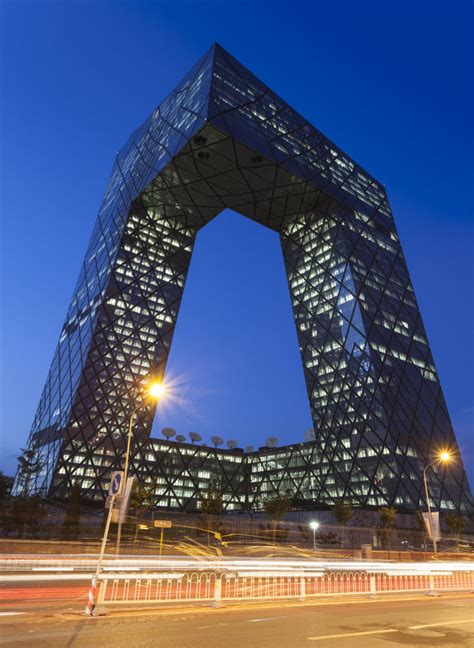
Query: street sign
[162,524]
[125,500]
[116,483]
[433,530]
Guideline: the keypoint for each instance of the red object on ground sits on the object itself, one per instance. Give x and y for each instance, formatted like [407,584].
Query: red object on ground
[91,597]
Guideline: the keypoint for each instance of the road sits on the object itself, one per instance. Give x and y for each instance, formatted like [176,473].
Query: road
[51,618]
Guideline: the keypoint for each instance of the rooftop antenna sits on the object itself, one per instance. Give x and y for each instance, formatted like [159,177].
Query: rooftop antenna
[168,432]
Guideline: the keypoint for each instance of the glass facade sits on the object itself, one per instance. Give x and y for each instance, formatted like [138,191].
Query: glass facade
[223,139]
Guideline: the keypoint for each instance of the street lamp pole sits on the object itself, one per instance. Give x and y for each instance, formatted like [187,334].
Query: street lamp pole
[125,474]
[155,391]
[443,457]
[428,502]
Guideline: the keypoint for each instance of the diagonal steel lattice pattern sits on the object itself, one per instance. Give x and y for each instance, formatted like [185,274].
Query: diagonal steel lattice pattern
[222,139]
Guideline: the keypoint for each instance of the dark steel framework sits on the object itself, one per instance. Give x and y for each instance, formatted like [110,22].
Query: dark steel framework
[222,139]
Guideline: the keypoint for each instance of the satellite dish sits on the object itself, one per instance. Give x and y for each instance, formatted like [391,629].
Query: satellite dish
[249,448]
[180,438]
[272,442]
[310,435]
[231,444]
[168,432]
[194,436]
[217,441]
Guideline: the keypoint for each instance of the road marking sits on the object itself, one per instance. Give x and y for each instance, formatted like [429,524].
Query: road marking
[52,569]
[260,620]
[387,630]
[433,625]
[352,634]
[265,619]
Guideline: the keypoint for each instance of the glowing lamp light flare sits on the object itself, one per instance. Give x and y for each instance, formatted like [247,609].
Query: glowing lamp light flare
[156,390]
[444,456]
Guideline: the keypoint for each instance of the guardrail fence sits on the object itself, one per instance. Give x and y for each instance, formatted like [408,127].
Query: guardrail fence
[212,586]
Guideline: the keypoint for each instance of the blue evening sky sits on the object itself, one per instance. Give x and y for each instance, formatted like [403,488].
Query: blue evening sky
[390,82]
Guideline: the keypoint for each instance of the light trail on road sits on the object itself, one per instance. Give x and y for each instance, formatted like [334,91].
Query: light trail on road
[87,563]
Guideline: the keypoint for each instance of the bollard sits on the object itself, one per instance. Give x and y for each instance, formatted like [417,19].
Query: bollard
[302,588]
[372,586]
[217,592]
[91,597]
[432,591]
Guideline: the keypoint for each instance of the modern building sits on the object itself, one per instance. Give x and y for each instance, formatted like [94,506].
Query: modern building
[6,486]
[222,139]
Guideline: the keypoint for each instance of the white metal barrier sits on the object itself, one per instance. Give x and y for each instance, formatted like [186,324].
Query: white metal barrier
[214,586]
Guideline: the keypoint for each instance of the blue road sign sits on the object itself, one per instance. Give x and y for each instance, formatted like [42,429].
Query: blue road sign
[116,483]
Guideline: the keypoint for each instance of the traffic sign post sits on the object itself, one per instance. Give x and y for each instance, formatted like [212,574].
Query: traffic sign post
[90,607]
[162,524]
[116,484]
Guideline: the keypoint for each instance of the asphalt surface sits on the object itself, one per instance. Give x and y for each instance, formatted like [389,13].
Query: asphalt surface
[37,621]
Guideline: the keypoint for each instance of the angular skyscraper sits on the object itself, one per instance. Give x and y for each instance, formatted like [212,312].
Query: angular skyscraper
[222,139]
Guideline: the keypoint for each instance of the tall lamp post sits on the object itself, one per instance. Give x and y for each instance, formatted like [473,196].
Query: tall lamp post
[443,457]
[314,526]
[154,391]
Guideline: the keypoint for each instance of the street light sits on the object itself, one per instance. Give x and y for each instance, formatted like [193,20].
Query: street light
[314,525]
[154,391]
[443,457]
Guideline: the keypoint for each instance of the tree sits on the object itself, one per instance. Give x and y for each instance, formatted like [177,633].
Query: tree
[387,518]
[211,504]
[455,524]
[30,465]
[276,509]
[3,486]
[342,512]
[141,499]
[26,514]
[421,526]
[73,512]
[212,500]
[27,509]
